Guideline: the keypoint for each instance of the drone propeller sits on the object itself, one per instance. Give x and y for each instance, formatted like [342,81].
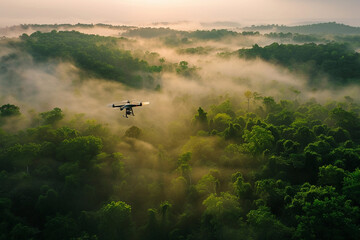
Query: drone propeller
[110,105]
[145,103]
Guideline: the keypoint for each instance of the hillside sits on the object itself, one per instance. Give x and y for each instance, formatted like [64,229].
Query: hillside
[337,61]
[94,54]
[318,28]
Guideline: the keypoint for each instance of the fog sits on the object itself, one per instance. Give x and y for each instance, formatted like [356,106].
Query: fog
[161,168]
[43,86]
[150,173]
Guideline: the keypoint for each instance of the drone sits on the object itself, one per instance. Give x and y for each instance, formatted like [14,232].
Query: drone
[128,107]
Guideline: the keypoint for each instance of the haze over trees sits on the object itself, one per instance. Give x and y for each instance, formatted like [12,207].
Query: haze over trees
[338,61]
[268,174]
[207,159]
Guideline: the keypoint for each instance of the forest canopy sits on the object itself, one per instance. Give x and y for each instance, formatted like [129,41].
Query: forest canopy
[277,171]
[248,135]
[92,53]
[340,63]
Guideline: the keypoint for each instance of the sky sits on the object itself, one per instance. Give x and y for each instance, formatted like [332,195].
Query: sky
[245,12]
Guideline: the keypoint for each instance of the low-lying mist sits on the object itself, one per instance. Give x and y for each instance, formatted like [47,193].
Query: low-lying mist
[43,86]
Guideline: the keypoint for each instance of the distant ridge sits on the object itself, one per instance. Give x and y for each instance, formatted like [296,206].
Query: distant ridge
[318,28]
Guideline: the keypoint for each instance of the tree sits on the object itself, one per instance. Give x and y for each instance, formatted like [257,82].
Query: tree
[21,231]
[304,136]
[284,117]
[224,107]
[60,227]
[165,214]
[65,133]
[221,121]
[81,149]
[52,116]
[152,228]
[20,157]
[207,184]
[270,104]
[115,221]
[321,213]
[133,132]
[272,192]
[340,135]
[47,203]
[221,212]
[184,166]
[258,139]
[346,120]
[234,131]
[328,218]
[348,158]
[8,110]
[352,186]
[331,175]
[264,225]
[242,189]
[201,118]
[248,95]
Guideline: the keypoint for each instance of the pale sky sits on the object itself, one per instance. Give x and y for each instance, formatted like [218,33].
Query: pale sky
[245,12]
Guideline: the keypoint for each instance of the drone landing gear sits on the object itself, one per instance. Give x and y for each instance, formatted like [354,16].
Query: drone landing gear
[128,112]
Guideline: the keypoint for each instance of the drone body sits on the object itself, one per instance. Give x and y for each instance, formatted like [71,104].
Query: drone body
[128,107]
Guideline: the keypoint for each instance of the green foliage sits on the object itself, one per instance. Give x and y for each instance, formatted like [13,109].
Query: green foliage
[213,34]
[184,167]
[347,120]
[264,225]
[8,110]
[234,131]
[282,118]
[196,50]
[258,140]
[347,158]
[185,70]
[242,189]
[47,203]
[316,28]
[290,172]
[270,104]
[21,231]
[222,206]
[335,218]
[52,116]
[201,118]
[208,184]
[115,221]
[221,121]
[60,227]
[331,175]
[92,53]
[336,60]
[272,192]
[352,186]
[224,107]
[133,132]
[221,212]
[81,149]
[304,136]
